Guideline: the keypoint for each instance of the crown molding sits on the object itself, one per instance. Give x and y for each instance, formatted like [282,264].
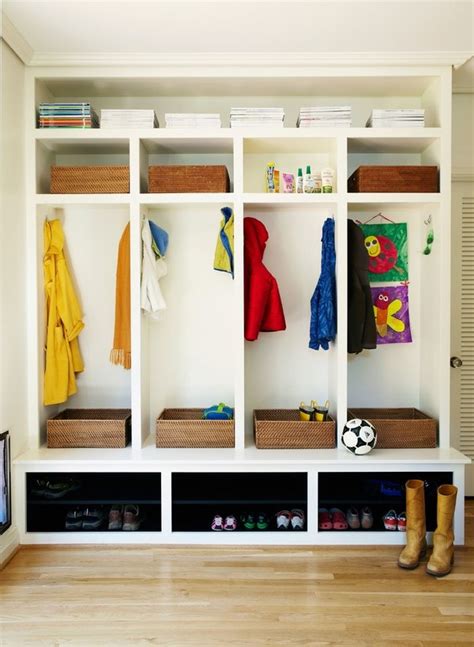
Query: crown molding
[245,59]
[15,40]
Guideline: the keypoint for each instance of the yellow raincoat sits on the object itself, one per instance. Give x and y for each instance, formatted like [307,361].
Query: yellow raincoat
[63,320]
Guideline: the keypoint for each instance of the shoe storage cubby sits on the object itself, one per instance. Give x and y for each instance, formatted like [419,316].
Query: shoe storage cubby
[197,498]
[379,492]
[56,498]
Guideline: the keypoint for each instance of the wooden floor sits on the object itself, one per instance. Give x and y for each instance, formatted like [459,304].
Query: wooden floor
[233,596]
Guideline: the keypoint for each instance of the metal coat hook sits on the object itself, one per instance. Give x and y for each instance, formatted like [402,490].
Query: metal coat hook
[428,220]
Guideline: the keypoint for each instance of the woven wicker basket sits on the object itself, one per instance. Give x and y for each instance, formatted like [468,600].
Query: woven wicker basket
[283,429]
[394,179]
[90,179]
[90,428]
[187,428]
[188,179]
[399,428]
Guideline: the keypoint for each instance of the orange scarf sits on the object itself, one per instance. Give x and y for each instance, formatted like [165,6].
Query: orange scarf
[121,353]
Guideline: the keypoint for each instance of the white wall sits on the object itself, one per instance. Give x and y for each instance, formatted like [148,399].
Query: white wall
[13,390]
[463,132]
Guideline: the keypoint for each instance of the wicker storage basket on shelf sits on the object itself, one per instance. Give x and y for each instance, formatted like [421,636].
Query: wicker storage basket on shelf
[104,428]
[394,179]
[187,428]
[283,429]
[90,179]
[399,428]
[188,179]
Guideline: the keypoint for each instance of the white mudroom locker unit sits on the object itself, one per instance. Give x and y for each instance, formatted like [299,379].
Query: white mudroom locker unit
[196,355]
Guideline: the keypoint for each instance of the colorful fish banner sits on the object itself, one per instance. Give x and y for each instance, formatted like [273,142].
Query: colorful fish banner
[387,247]
[392,316]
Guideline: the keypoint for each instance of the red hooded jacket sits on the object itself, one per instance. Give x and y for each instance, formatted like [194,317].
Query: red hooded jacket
[263,308]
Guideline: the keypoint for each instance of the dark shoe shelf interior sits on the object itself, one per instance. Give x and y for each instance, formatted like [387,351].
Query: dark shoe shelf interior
[380,494]
[197,497]
[47,506]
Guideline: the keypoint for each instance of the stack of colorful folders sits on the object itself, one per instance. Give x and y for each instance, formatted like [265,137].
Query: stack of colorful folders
[78,114]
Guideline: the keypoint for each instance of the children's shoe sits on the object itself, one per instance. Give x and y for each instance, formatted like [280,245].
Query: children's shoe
[58,489]
[283,519]
[39,487]
[324,519]
[297,519]
[402,522]
[115,517]
[74,519]
[131,517]
[366,518]
[230,523]
[262,521]
[353,519]
[249,521]
[390,520]
[339,521]
[217,523]
[92,518]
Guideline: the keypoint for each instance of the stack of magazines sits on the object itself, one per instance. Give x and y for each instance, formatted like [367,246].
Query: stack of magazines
[325,116]
[390,118]
[128,119]
[242,117]
[78,114]
[193,120]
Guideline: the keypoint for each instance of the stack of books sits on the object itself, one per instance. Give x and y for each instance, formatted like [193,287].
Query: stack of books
[242,117]
[78,114]
[393,118]
[128,119]
[325,116]
[193,120]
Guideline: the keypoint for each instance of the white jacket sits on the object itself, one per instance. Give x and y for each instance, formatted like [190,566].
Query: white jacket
[153,269]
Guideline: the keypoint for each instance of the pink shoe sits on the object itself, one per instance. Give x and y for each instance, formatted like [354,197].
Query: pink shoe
[402,522]
[230,523]
[390,520]
[217,523]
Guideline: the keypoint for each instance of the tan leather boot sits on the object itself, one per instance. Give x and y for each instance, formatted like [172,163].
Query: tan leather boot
[416,525]
[442,557]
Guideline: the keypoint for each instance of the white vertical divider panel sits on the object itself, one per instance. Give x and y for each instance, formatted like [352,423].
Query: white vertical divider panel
[166,502]
[341,282]
[239,345]
[312,504]
[34,374]
[444,238]
[135,271]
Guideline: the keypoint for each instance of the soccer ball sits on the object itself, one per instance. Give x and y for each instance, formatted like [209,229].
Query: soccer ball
[359,436]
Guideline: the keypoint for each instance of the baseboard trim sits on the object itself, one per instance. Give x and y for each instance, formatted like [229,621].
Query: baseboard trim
[9,544]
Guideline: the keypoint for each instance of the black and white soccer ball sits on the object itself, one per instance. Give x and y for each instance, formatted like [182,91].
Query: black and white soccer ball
[359,436]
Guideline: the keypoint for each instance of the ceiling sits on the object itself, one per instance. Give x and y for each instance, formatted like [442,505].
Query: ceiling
[152,26]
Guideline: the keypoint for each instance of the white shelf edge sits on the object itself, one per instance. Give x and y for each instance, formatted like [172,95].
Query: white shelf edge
[82,198]
[305,459]
[290,198]
[382,198]
[186,198]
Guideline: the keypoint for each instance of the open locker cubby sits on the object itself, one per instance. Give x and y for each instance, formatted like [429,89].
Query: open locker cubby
[188,356]
[280,369]
[92,234]
[380,492]
[91,490]
[197,497]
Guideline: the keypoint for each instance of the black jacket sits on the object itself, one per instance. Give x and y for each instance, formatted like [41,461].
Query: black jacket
[361,331]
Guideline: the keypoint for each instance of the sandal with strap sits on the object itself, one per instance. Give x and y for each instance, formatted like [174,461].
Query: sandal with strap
[324,519]
[339,521]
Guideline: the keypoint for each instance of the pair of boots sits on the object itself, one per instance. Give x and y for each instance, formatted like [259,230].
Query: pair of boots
[442,558]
